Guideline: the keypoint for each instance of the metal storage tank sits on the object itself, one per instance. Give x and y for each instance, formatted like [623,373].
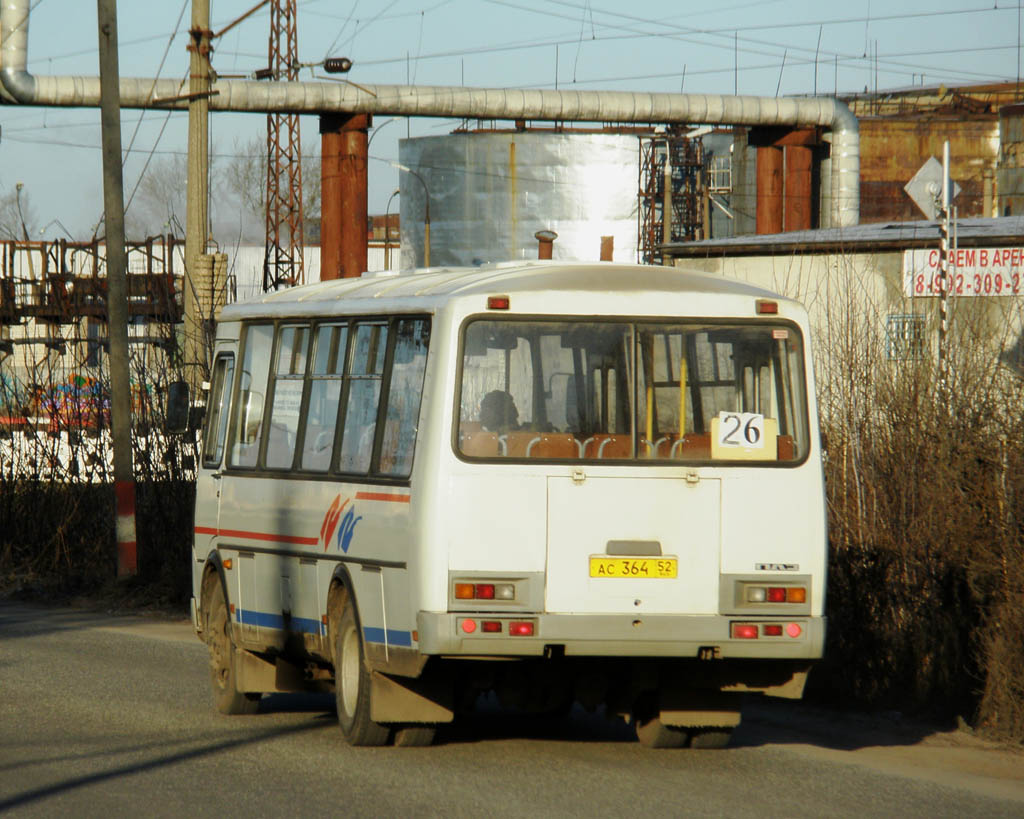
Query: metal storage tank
[491,192]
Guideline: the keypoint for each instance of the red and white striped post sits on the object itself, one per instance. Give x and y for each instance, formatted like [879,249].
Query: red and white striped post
[127,551]
[944,270]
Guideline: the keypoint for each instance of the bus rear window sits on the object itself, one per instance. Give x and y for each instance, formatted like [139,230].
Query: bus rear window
[694,391]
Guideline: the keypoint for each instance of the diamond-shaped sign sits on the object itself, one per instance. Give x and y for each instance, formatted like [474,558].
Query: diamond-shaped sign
[925,188]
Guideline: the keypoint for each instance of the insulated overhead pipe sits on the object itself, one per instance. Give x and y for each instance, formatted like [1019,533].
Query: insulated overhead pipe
[454,102]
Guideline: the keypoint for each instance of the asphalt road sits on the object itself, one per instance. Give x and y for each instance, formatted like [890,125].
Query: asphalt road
[111,716]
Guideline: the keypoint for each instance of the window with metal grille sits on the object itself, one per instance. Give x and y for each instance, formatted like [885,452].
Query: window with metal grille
[904,337]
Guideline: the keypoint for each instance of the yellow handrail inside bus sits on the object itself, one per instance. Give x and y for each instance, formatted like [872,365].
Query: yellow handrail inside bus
[682,395]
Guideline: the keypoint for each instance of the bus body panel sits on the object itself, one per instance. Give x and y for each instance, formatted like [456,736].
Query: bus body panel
[629,518]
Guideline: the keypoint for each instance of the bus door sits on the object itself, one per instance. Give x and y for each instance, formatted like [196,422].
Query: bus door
[209,478]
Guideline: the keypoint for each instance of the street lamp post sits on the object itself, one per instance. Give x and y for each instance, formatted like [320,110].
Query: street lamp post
[60,224]
[387,231]
[426,220]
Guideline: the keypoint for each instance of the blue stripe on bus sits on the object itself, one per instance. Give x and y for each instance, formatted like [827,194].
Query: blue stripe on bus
[394,637]
[263,619]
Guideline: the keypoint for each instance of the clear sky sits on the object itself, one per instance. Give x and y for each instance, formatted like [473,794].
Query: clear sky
[762,47]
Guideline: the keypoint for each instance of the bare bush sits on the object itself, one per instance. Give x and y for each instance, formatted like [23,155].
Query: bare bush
[925,506]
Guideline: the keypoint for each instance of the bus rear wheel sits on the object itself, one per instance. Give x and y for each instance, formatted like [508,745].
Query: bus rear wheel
[352,683]
[414,736]
[710,738]
[223,673]
[653,733]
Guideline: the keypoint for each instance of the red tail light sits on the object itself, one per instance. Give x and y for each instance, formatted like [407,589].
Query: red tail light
[772,630]
[484,591]
[776,594]
[520,629]
[744,631]
[494,627]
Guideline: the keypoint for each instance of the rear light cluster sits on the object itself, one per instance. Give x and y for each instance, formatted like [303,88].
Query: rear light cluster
[510,628]
[776,594]
[485,591]
[751,631]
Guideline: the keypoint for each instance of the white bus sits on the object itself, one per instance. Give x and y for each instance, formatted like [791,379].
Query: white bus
[560,482]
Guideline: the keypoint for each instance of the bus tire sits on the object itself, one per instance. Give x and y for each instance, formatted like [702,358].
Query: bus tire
[708,738]
[352,683]
[655,734]
[223,672]
[414,736]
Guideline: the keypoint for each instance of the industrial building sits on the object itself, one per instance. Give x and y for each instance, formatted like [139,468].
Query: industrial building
[883,279]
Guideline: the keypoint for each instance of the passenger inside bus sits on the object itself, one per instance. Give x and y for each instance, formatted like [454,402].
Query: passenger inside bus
[498,412]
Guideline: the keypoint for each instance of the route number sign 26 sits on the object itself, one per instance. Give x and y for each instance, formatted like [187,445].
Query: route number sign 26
[741,429]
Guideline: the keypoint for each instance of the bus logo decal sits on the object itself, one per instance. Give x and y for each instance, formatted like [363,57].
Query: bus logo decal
[348,527]
[348,524]
[331,520]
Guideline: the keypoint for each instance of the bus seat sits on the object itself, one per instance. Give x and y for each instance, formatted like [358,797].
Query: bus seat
[481,444]
[517,444]
[663,446]
[786,448]
[469,427]
[695,445]
[554,445]
[607,446]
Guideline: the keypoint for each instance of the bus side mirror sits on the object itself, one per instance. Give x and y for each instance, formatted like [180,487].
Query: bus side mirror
[176,417]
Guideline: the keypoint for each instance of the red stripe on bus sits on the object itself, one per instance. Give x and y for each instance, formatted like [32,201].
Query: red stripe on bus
[264,536]
[382,496]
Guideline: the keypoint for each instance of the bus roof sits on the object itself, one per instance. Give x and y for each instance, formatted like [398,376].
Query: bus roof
[432,288]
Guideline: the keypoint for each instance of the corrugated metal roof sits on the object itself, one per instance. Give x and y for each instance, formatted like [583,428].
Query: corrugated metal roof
[1007,230]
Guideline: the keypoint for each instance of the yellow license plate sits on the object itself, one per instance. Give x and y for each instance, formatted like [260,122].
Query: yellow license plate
[633,567]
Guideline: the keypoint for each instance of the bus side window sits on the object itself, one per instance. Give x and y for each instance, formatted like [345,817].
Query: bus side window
[404,393]
[365,371]
[289,375]
[331,341]
[246,429]
[219,411]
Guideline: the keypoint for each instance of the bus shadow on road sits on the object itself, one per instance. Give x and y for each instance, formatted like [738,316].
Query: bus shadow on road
[487,722]
[782,722]
[765,722]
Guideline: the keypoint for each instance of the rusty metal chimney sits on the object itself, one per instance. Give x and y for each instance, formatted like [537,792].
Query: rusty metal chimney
[545,243]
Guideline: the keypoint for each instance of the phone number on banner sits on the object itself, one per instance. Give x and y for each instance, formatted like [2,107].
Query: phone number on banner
[971,272]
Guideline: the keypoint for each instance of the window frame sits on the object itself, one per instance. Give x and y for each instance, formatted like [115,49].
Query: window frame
[345,353]
[633,362]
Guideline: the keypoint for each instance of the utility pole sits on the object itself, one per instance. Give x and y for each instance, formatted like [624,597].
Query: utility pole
[117,290]
[197,192]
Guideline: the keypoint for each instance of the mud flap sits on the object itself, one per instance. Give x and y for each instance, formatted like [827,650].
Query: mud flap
[408,700]
[256,675]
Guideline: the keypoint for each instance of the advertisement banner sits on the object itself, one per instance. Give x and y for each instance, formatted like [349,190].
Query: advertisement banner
[971,271]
